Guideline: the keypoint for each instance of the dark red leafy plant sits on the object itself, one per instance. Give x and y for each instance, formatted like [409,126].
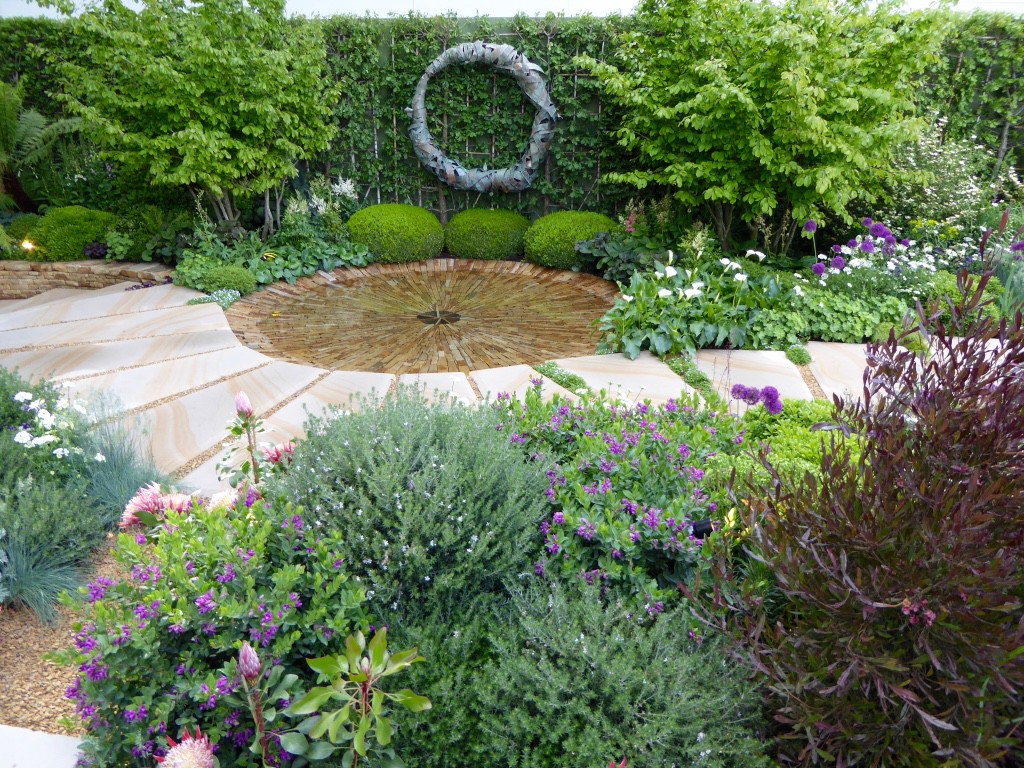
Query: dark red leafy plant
[900,637]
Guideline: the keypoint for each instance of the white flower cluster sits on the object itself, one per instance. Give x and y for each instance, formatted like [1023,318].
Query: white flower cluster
[48,427]
[344,188]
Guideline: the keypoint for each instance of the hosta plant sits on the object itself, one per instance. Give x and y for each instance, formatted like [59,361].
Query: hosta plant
[900,639]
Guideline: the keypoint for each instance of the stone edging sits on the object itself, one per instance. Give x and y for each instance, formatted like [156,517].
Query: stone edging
[22,279]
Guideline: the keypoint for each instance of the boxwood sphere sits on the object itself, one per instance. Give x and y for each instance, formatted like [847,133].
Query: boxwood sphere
[551,241]
[479,233]
[396,233]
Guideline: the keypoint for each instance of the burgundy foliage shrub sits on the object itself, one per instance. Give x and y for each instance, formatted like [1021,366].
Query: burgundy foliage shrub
[900,638]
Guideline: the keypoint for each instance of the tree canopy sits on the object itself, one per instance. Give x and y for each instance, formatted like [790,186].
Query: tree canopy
[777,112]
[220,96]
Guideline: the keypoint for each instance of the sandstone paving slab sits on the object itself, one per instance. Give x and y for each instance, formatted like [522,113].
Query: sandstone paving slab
[182,429]
[91,359]
[646,378]
[53,294]
[341,389]
[157,322]
[22,748]
[158,381]
[92,304]
[517,380]
[726,368]
[438,386]
[839,368]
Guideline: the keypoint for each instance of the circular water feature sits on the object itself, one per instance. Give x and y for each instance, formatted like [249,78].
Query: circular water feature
[435,316]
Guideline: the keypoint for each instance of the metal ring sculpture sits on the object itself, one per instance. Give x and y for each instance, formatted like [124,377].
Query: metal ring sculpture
[530,79]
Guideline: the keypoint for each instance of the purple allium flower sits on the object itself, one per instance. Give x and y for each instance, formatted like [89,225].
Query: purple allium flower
[879,230]
[866,221]
[205,602]
[867,246]
[838,263]
[905,242]
[819,269]
[837,248]
[774,406]
[1017,247]
[810,225]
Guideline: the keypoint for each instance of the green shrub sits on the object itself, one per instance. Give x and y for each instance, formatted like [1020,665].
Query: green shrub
[63,233]
[901,567]
[480,233]
[797,354]
[397,233]
[229,277]
[794,446]
[944,290]
[148,233]
[22,227]
[625,483]
[577,682]
[439,512]
[551,240]
[436,506]
[166,638]
[52,517]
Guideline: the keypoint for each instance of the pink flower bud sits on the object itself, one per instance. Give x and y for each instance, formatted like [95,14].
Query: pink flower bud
[242,405]
[249,665]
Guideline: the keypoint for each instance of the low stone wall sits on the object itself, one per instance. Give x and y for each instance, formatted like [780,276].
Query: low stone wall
[21,279]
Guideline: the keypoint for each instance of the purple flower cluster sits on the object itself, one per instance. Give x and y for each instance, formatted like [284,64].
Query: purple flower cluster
[98,589]
[768,396]
[205,602]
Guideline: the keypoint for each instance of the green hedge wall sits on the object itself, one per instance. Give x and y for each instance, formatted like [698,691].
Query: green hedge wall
[979,84]
[476,114]
[481,117]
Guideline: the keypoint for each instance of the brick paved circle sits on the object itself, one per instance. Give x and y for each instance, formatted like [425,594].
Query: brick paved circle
[430,316]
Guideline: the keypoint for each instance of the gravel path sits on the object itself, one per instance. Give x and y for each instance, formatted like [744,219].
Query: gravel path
[32,688]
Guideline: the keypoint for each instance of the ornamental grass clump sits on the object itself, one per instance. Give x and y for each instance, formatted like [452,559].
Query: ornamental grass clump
[156,651]
[899,639]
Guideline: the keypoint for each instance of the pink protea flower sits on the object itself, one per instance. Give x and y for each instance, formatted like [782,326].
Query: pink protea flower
[192,752]
[152,499]
[146,499]
[282,452]
[249,665]
[242,405]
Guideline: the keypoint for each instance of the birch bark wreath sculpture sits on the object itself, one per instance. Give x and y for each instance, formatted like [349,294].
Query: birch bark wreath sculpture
[531,80]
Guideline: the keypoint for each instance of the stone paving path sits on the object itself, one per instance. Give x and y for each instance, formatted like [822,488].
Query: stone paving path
[174,370]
